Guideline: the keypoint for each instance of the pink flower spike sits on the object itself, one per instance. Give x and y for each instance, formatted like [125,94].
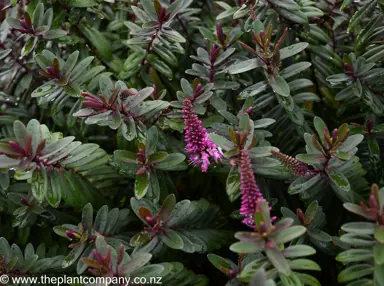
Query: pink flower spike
[250,193]
[199,146]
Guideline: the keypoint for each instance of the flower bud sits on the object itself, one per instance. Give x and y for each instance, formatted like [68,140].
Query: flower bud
[270,244]
[16,147]
[198,90]
[232,273]
[262,36]
[220,34]
[150,220]
[348,69]
[24,24]
[373,202]
[72,234]
[93,105]
[301,216]
[214,52]
[24,202]
[141,171]
[41,146]
[53,72]
[140,156]
[335,133]
[369,126]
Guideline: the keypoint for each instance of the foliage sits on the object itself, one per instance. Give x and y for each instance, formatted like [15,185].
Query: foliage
[187,139]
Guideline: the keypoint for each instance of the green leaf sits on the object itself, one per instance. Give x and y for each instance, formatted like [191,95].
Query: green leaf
[292,50]
[286,4]
[54,147]
[297,16]
[351,142]
[207,33]
[157,157]
[173,36]
[14,23]
[254,89]
[355,272]
[97,39]
[261,151]
[128,129]
[294,69]
[379,234]
[233,184]
[167,207]
[354,255]
[38,184]
[54,197]
[101,219]
[170,162]
[81,3]
[338,181]
[357,210]
[137,261]
[160,66]
[28,47]
[290,234]
[54,34]
[70,63]
[345,4]
[373,146]
[151,141]
[307,279]
[311,158]
[278,260]
[142,184]
[378,251]
[264,122]
[244,66]
[319,126]
[298,251]
[172,239]
[124,156]
[248,247]
[343,156]
[38,15]
[367,8]
[5,53]
[304,264]
[139,239]
[319,235]
[219,262]
[106,86]
[311,211]
[359,227]
[357,88]
[222,142]
[279,85]
[87,217]
[73,255]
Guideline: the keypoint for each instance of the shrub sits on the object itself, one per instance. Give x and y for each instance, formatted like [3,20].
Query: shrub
[179,139]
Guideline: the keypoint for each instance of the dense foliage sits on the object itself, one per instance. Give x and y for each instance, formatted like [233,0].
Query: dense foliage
[204,142]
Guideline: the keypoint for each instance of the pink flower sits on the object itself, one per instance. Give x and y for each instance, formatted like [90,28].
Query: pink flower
[199,146]
[250,193]
[298,169]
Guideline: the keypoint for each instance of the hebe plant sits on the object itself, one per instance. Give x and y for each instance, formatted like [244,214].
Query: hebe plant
[208,142]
